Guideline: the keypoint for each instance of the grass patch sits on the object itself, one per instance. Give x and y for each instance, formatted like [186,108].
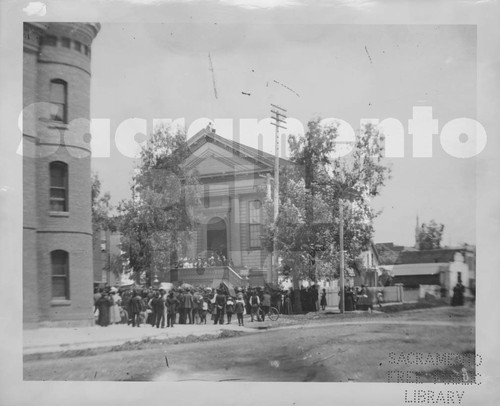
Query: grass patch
[421,304]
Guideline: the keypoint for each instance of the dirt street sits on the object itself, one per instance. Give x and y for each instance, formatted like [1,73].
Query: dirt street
[356,350]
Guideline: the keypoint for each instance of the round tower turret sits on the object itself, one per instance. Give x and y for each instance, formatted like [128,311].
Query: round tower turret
[58,282]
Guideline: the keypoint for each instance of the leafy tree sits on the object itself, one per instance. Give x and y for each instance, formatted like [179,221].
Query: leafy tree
[101,208]
[310,192]
[102,219]
[429,236]
[115,265]
[156,223]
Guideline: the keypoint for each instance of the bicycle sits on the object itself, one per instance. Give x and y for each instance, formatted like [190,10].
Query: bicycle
[273,313]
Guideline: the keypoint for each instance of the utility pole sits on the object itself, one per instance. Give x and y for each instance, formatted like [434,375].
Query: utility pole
[341,273]
[279,121]
[211,69]
[346,194]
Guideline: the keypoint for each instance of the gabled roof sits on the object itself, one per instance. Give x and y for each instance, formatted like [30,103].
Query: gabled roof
[426,256]
[388,252]
[418,269]
[374,249]
[391,254]
[252,154]
[389,246]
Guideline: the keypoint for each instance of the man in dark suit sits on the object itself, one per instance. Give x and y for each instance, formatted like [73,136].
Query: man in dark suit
[220,303]
[136,307]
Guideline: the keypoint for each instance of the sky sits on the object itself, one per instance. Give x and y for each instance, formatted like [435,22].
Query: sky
[348,72]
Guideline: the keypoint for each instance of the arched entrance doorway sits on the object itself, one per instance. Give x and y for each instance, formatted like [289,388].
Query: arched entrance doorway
[217,236]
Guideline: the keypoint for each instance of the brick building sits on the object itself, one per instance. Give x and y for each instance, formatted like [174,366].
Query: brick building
[57,230]
[106,255]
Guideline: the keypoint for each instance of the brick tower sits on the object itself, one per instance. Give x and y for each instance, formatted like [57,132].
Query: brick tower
[57,229]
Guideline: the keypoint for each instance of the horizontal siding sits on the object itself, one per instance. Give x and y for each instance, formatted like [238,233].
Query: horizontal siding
[252,259]
[244,229]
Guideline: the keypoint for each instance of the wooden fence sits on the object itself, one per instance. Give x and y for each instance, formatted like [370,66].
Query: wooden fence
[390,294]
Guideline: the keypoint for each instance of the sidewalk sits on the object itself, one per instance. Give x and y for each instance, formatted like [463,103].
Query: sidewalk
[56,339]
[45,340]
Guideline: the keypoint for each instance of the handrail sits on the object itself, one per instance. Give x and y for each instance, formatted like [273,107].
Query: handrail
[219,272]
[234,272]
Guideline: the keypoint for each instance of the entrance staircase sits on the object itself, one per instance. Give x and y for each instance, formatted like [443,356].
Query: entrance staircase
[208,277]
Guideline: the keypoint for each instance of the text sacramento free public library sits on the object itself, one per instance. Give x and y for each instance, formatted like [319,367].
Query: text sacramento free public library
[460,137]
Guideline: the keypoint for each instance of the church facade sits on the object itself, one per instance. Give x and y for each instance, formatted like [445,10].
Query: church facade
[236,180]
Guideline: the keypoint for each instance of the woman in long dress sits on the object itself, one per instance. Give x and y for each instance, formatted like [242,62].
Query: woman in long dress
[287,305]
[103,304]
[458,295]
[323,300]
[114,311]
[349,300]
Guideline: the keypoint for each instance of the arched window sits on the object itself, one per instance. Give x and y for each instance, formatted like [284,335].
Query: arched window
[60,274]
[50,40]
[59,100]
[58,186]
[254,220]
[65,42]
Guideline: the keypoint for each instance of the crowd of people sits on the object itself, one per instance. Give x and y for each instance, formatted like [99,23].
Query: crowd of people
[160,308]
[108,306]
[352,296]
[190,305]
[214,258]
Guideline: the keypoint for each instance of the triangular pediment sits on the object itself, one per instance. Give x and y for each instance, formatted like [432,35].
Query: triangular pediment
[210,159]
[212,154]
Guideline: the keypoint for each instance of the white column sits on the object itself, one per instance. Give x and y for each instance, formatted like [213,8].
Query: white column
[235,247]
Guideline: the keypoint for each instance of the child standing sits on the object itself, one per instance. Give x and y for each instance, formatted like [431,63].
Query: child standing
[255,302]
[204,311]
[239,309]
[229,309]
[171,305]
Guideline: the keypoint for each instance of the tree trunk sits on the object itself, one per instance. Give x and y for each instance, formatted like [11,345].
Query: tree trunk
[297,303]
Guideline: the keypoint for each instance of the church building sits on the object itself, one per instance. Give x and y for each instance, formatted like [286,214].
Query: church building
[236,181]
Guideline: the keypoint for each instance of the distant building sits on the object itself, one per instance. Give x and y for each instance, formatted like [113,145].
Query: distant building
[443,266]
[368,272]
[57,230]
[469,252]
[106,255]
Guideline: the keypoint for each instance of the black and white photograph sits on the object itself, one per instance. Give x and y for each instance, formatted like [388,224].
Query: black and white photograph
[233,202]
